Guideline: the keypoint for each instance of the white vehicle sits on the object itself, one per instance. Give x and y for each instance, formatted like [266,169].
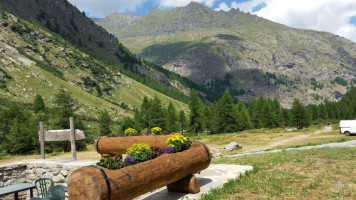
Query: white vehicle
[348,127]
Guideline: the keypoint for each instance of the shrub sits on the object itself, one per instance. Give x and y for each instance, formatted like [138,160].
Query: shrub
[130,132]
[156,131]
[140,152]
[178,143]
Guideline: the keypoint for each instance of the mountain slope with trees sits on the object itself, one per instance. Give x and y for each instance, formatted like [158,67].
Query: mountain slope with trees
[243,53]
[62,18]
[45,78]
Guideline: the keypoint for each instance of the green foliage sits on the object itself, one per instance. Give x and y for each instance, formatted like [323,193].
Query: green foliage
[171,119]
[38,104]
[157,114]
[65,106]
[315,84]
[301,117]
[196,123]
[225,115]
[340,81]
[17,130]
[126,123]
[105,122]
[111,162]
[182,121]
[140,152]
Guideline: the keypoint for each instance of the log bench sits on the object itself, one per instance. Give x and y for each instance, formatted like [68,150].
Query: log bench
[172,170]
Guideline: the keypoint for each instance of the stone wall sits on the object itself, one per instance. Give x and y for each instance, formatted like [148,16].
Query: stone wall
[28,172]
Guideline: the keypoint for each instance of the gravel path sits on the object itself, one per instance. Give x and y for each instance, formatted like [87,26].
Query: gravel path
[334,144]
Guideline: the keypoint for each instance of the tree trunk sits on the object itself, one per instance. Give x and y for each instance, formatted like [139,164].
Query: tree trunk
[88,183]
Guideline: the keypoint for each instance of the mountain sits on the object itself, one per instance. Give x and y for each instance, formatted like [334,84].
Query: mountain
[246,54]
[62,18]
[34,61]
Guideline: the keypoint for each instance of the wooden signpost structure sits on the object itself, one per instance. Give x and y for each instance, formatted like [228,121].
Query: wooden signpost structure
[60,135]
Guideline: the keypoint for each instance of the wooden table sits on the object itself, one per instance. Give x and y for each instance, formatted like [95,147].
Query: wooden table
[16,189]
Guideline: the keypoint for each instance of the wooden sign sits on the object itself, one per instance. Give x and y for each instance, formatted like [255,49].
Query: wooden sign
[62,135]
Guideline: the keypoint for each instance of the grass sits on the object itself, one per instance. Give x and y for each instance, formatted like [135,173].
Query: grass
[279,138]
[326,173]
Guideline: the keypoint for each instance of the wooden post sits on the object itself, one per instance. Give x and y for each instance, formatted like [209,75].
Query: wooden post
[72,138]
[42,141]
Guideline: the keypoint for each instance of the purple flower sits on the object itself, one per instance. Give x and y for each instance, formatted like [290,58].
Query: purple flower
[147,133]
[168,150]
[129,161]
[122,135]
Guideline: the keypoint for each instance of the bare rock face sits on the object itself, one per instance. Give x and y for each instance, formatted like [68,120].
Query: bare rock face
[264,58]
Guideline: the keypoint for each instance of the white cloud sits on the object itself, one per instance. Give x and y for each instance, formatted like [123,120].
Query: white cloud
[223,6]
[181,3]
[104,8]
[322,15]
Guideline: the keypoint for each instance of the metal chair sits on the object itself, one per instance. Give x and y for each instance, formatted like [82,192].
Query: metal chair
[57,192]
[43,184]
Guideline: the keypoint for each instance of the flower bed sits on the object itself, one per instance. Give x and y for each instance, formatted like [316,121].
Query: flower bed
[142,152]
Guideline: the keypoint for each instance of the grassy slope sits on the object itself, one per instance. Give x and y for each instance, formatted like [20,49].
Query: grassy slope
[31,80]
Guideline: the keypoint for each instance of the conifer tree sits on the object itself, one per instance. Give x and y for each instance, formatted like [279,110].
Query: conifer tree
[38,104]
[207,118]
[182,121]
[226,115]
[301,118]
[287,117]
[105,122]
[322,112]
[196,123]
[65,106]
[171,119]
[243,118]
[144,112]
[315,113]
[157,115]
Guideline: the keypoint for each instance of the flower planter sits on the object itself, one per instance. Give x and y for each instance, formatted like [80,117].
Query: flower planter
[118,145]
[97,183]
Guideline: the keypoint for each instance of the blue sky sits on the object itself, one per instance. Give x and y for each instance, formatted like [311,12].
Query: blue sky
[335,16]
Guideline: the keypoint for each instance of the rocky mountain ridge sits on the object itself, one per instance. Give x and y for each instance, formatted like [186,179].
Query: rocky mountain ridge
[246,54]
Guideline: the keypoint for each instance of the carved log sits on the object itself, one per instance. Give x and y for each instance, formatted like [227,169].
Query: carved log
[118,145]
[188,184]
[132,181]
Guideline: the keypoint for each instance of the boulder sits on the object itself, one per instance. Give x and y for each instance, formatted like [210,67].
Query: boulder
[216,152]
[232,146]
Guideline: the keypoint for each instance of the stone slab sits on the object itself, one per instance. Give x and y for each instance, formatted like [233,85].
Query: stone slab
[215,176]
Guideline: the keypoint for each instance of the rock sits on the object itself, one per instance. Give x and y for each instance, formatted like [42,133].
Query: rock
[216,152]
[1,184]
[58,179]
[55,171]
[232,146]
[9,182]
[64,173]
